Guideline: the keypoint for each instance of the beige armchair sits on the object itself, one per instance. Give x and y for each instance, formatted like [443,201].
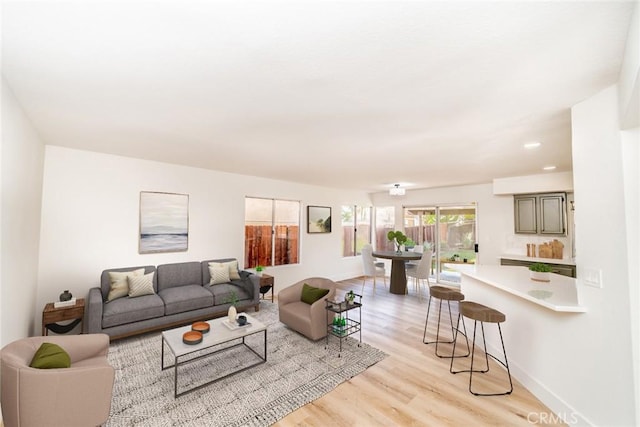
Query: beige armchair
[309,320]
[76,396]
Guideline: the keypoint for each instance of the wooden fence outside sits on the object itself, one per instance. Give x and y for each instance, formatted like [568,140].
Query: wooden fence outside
[257,245]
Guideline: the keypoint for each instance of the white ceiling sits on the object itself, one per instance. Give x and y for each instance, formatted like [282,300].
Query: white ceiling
[357,94]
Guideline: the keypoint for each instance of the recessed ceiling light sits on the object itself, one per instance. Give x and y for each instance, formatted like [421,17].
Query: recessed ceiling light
[531,145]
[549,168]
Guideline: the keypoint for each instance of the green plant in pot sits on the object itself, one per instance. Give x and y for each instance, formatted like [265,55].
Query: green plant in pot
[259,269]
[409,244]
[540,272]
[233,312]
[350,297]
[398,238]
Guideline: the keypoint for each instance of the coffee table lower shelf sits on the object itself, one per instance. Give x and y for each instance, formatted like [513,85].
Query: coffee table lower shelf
[180,351]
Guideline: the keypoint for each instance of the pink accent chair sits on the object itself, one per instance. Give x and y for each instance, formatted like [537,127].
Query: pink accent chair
[309,320]
[76,396]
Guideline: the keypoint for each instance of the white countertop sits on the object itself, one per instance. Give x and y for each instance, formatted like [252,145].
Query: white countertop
[560,294]
[564,261]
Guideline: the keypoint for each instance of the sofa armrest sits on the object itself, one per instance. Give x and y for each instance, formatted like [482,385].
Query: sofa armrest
[255,286]
[92,322]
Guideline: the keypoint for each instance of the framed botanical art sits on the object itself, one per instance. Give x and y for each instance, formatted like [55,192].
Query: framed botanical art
[164,222]
[318,219]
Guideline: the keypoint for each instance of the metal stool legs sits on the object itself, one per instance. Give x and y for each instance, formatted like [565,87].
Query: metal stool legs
[484,343]
[453,334]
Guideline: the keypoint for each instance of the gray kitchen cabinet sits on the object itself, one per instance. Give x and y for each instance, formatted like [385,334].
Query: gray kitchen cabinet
[540,214]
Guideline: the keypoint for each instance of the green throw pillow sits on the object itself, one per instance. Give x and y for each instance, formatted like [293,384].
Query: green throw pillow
[312,294]
[50,356]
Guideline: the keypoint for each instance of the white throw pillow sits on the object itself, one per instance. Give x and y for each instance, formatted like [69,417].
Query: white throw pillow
[219,274]
[119,286]
[232,266]
[141,285]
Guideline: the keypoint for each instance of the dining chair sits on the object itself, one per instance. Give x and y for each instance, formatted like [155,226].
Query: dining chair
[420,271]
[371,267]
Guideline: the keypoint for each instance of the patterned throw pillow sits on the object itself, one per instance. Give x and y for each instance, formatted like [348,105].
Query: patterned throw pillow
[219,273]
[119,286]
[141,285]
[232,266]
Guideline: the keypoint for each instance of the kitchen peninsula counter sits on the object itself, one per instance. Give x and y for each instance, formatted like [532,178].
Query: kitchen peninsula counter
[560,294]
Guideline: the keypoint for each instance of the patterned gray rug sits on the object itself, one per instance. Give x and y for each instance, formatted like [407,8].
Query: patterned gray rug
[297,372]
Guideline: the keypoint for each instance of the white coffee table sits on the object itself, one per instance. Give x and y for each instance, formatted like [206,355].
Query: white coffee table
[218,334]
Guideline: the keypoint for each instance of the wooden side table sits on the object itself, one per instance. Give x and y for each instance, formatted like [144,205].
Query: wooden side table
[52,315]
[267,284]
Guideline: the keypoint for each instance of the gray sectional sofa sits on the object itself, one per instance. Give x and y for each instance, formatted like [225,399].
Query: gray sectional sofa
[181,294]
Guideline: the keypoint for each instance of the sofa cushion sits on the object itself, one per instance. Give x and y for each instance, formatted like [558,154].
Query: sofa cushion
[119,283]
[179,274]
[223,293]
[311,294]
[105,281]
[128,310]
[219,274]
[232,266]
[185,298]
[206,276]
[141,285]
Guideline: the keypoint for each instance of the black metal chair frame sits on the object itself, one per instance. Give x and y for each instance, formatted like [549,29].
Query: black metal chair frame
[484,342]
[453,334]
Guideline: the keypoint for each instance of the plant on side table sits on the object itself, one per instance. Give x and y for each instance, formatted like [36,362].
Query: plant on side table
[540,272]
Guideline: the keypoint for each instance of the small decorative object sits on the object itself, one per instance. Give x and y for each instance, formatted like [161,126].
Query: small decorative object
[398,238]
[192,337]
[409,244]
[350,297]
[202,327]
[339,326]
[540,272]
[242,320]
[259,270]
[66,296]
[232,313]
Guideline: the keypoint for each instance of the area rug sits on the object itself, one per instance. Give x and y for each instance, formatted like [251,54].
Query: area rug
[297,372]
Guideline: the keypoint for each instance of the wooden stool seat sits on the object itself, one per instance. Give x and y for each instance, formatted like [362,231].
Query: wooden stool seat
[481,313]
[445,293]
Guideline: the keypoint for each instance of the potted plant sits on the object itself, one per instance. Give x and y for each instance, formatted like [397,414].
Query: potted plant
[233,312]
[540,272]
[259,269]
[350,297]
[398,238]
[409,244]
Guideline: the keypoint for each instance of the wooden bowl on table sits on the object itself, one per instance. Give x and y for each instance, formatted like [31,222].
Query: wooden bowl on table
[192,337]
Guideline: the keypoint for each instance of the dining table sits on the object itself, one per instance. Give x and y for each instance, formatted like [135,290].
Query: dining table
[398,280]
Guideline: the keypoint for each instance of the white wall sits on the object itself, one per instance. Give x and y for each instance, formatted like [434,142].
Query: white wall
[603,386]
[22,163]
[90,219]
[631,168]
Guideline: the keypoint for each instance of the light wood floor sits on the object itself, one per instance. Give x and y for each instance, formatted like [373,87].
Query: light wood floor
[413,387]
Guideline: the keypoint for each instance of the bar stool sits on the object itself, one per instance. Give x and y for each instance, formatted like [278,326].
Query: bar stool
[444,294]
[483,314]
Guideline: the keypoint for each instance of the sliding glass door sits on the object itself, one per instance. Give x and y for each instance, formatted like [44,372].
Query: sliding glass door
[449,231]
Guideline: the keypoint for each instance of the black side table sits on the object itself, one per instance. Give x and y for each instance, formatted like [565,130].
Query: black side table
[351,326]
[267,284]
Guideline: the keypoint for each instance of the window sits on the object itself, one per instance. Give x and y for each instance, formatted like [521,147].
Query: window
[271,232]
[385,222]
[356,229]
